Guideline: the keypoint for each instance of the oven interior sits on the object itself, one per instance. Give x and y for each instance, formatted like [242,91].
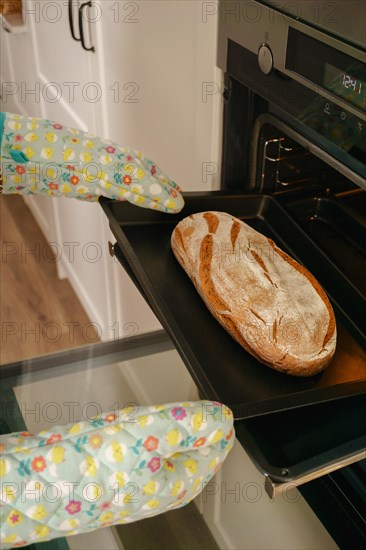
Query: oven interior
[263,153]
[281,163]
[327,205]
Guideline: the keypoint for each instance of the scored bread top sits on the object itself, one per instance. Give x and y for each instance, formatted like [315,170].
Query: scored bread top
[267,301]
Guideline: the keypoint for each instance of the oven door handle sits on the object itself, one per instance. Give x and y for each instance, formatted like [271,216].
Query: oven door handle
[71,21]
[81,26]
[274,488]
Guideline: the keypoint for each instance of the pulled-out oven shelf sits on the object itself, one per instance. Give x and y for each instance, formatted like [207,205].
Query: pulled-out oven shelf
[221,368]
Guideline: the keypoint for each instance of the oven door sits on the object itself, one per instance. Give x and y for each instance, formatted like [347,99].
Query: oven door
[45,391]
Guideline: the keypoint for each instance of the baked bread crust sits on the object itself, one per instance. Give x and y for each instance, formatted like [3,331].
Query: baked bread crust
[269,303]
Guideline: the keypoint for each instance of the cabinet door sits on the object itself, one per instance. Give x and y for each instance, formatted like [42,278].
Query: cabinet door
[17,72]
[155,89]
[160,64]
[57,79]
[64,70]
[21,94]
[69,91]
[163,92]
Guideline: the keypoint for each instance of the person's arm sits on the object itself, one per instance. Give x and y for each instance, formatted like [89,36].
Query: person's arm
[42,157]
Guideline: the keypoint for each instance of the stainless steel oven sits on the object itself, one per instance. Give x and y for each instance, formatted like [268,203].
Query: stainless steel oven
[310,79]
[293,166]
[295,128]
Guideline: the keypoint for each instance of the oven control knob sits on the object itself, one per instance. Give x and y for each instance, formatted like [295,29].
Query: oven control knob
[265,58]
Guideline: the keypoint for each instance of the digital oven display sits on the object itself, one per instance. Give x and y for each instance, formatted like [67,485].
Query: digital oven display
[349,82]
[327,67]
[350,85]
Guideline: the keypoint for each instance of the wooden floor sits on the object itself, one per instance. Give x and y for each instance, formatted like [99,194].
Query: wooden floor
[35,306]
[32,297]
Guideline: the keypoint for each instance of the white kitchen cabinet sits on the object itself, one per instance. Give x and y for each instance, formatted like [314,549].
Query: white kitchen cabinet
[17,78]
[66,75]
[159,61]
[58,79]
[20,93]
[157,68]
[151,85]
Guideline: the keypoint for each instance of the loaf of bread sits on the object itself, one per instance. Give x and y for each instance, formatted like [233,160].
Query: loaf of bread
[269,303]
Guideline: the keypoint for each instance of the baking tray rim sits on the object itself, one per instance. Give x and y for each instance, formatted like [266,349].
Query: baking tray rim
[163,313]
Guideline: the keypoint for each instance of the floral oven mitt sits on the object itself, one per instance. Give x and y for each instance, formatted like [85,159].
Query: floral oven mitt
[116,468]
[41,157]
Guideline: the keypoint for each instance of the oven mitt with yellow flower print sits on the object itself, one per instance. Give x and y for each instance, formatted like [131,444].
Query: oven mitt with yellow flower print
[116,468]
[41,157]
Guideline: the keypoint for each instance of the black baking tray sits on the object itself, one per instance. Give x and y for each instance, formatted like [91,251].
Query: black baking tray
[221,368]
